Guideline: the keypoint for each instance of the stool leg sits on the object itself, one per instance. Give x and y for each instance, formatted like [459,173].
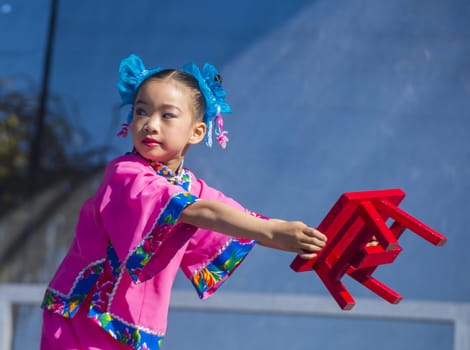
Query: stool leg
[337,289]
[411,223]
[364,277]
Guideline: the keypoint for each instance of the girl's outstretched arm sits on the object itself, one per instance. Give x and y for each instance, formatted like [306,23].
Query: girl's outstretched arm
[293,236]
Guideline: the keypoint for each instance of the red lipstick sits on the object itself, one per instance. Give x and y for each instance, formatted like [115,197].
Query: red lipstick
[149,142]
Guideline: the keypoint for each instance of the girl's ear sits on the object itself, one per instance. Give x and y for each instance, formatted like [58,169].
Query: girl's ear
[199,131]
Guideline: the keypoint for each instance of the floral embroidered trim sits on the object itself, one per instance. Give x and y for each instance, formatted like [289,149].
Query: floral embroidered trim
[67,305]
[173,210]
[105,285]
[207,280]
[141,255]
[181,177]
[124,333]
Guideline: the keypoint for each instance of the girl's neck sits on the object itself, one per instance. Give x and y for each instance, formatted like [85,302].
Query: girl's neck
[164,169]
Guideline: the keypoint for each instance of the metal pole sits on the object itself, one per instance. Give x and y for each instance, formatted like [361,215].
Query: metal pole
[462,334]
[6,325]
[36,151]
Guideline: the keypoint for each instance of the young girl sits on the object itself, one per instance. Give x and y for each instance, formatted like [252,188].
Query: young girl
[150,216]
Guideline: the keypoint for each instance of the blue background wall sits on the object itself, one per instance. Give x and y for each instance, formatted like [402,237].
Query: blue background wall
[327,97]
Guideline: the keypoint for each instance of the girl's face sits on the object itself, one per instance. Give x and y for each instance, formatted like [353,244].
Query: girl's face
[163,124]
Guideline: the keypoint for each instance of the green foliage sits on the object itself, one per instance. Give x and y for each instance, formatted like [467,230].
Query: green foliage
[63,153]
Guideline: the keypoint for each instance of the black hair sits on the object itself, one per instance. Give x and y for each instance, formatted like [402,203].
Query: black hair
[199,103]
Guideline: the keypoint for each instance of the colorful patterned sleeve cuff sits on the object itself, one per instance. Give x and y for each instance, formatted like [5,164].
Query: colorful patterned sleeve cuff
[209,278]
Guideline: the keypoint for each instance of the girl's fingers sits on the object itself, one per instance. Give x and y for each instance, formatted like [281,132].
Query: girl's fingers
[311,247]
[307,255]
[309,241]
[313,241]
[320,236]
[373,242]
[312,232]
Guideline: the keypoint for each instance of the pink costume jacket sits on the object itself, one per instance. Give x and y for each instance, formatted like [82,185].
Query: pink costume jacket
[129,245]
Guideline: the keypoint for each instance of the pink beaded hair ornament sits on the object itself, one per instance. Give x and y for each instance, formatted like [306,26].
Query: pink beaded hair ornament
[132,73]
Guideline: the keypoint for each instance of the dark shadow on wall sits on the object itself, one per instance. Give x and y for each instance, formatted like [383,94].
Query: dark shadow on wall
[62,160]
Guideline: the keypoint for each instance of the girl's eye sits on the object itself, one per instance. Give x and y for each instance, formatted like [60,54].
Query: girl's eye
[140,111]
[168,116]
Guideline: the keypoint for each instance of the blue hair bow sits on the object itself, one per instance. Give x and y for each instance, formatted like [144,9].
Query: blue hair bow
[210,85]
[132,73]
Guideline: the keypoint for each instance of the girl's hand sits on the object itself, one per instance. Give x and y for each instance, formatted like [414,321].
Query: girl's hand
[297,237]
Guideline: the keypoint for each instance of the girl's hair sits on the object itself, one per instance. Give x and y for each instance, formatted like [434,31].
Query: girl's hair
[199,103]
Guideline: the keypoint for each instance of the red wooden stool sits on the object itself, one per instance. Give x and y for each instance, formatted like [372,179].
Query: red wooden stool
[353,222]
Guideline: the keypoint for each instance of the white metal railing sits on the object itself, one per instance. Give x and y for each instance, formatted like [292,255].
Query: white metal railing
[457,314]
